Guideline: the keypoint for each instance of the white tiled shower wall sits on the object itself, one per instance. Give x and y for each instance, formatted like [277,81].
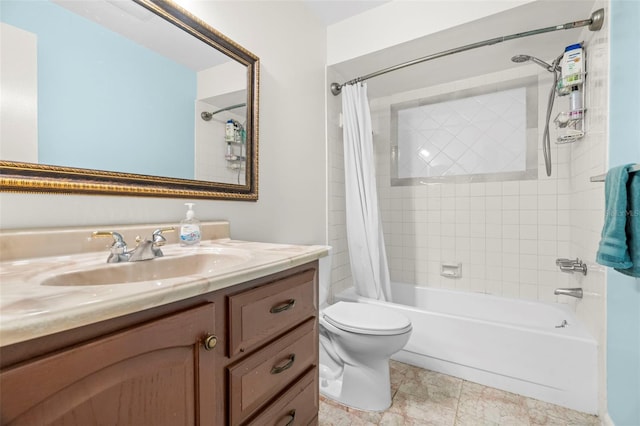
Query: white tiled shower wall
[506,235]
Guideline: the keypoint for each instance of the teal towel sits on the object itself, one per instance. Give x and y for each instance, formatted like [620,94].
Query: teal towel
[620,243]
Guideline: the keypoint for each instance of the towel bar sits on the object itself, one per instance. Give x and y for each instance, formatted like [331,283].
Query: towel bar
[600,178]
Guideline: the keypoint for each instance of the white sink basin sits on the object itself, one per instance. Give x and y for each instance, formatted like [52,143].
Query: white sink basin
[206,262]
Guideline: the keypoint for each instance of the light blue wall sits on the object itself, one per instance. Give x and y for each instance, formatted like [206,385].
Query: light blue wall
[623,292]
[130,112]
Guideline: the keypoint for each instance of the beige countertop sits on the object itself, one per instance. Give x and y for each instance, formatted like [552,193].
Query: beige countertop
[29,309]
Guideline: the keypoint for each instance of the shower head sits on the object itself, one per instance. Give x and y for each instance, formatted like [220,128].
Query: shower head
[525,58]
[520,58]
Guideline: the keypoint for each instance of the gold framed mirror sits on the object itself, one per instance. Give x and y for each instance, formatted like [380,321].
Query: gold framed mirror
[198,143]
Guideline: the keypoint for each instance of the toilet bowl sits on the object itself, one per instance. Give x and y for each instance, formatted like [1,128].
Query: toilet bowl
[356,343]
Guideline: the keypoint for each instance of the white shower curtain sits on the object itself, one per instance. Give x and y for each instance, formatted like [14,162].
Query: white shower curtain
[369,267]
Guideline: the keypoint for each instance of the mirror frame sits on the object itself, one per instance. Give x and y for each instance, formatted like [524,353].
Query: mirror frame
[41,178]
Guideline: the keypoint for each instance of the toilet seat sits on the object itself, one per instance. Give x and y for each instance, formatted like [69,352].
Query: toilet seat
[363,318]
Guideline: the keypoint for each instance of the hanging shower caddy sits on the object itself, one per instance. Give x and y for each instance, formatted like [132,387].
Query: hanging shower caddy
[235,137]
[570,124]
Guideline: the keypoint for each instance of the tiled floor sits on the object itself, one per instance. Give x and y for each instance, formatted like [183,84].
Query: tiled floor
[423,397]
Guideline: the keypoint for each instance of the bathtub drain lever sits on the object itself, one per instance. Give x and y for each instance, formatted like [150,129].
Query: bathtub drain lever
[563,324]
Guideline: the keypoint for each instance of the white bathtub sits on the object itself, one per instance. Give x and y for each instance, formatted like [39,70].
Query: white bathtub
[504,343]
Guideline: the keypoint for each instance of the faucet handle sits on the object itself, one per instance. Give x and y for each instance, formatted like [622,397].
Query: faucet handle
[119,246]
[572,265]
[157,237]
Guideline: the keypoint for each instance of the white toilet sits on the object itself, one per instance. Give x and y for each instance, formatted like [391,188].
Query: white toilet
[356,342]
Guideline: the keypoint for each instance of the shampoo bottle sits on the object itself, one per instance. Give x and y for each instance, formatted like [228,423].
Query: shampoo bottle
[572,65]
[190,228]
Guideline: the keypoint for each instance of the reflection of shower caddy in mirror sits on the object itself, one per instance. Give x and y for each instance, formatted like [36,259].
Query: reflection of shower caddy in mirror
[570,124]
[234,137]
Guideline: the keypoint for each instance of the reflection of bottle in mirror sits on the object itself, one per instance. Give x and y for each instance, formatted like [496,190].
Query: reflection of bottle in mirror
[236,132]
[229,131]
[229,153]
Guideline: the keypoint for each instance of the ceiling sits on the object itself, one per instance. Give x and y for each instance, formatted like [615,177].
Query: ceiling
[332,11]
[147,29]
[483,60]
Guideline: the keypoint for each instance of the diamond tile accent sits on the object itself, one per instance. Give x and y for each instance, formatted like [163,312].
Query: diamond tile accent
[478,134]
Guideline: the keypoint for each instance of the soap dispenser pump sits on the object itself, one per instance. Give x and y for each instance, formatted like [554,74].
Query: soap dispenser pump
[189,228]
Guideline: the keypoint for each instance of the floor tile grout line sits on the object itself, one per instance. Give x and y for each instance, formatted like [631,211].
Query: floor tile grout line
[455,419]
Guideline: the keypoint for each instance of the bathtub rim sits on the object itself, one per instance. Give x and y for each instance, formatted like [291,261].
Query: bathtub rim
[575,331]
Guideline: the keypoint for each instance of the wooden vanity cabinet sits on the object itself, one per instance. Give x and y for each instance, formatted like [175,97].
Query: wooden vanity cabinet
[215,359]
[272,347]
[123,378]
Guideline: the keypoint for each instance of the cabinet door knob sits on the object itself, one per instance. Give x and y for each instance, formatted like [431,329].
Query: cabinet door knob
[291,416]
[210,342]
[279,369]
[283,307]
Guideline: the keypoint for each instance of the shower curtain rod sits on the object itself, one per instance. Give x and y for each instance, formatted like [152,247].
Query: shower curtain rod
[206,116]
[594,22]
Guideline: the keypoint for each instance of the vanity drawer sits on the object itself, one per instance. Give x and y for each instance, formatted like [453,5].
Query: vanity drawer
[261,313]
[297,406]
[264,374]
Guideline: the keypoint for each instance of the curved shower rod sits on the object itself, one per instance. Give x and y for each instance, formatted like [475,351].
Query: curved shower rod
[206,116]
[594,23]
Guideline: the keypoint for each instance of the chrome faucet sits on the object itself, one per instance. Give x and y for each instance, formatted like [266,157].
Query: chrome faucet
[149,249]
[573,292]
[144,250]
[571,265]
[118,249]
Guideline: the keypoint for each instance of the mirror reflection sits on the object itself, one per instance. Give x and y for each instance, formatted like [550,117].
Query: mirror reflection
[109,85]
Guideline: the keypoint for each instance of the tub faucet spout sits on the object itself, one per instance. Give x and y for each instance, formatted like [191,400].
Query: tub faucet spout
[573,292]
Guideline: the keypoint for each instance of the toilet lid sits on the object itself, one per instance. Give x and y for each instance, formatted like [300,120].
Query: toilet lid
[366,319]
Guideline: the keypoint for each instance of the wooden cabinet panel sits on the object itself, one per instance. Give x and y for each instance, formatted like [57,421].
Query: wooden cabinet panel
[152,374]
[259,314]
[264,374]
[297,406]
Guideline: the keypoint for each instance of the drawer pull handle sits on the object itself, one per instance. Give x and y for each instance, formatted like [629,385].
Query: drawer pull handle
[283,307]
[279,369]
[292,415]
[210,342]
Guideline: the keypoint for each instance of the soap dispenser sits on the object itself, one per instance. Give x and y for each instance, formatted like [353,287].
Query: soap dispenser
[189,228]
